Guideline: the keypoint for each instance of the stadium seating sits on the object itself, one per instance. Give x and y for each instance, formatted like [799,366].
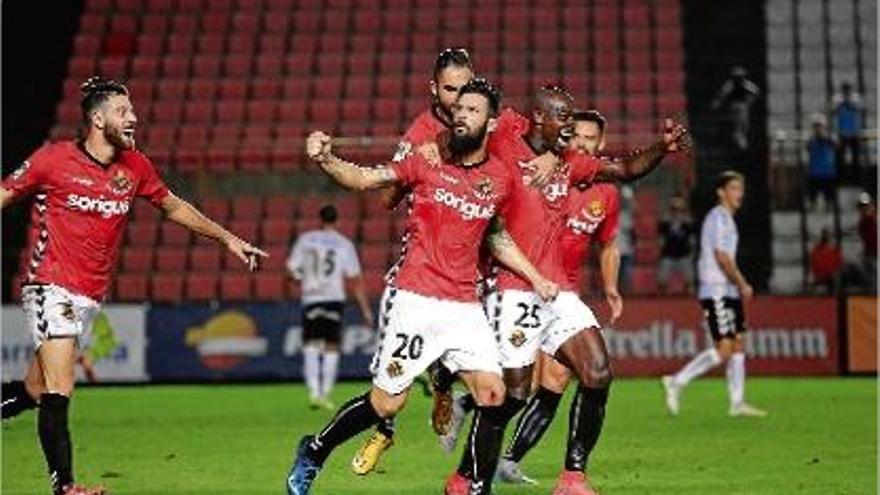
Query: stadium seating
[229,86]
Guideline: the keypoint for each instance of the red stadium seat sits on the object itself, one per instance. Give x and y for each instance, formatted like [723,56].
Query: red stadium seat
[647,253]
[201,286]
[237,66]
[376,229]
[211,44]
[205,257]
[262,110]
[216,208]
[644,280]
[92,23]
[246,229]
[143,234]
[235,287]
[115,67]
[206,66]
[247,208]
[276,23]
[132,287]
[174,234]
[86,45]
[171,258]
[181,42]
[375,282]
[277,260]
[137,258]
[123,23]
[230,111]
[166,288]
[270,287]
[215,22]
[193,6]
[167,111]
[241,44]
[276,230]
[374,257]
[143,66]
[171,89]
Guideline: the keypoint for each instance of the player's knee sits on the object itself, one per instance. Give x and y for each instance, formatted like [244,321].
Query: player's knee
[387,405]
[599,376]
[491,393]
[725,348]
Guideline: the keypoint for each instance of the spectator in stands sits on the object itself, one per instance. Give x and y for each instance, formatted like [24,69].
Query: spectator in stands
[626,236]
[822,174]
[736,96]
[848,112]
[826,262]
[677,233]
[868,233]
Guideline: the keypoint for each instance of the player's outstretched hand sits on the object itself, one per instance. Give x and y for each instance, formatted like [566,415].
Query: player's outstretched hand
[546,289]
[541,168]
[318,144]
[675,136]
[245,252]
[615,302]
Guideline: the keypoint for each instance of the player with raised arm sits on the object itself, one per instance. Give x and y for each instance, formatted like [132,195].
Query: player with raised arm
[723,288]
[452,70]
[83,192]
[566,328]
[593,216]
[430,309]
[324,261]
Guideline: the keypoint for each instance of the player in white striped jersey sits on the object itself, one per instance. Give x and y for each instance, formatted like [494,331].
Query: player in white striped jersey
[324,261]
[721,294]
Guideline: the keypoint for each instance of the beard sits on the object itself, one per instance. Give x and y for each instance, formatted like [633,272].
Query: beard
[460,145]
[116,137]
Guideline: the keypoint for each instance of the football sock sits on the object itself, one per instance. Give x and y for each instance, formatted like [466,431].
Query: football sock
[441,378]
[585,421]
[533,423]
[55,439]
[312,369]
[699,365]
[355,416]
[15,399]
[736,378]
[467,402]
[480,458]
[329,368]
[386,427]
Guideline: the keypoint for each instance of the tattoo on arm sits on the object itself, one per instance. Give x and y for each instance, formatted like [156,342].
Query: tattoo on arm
[356,177]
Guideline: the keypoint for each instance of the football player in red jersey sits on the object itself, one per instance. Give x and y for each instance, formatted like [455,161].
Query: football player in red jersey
[431,308]
[452,70]
[593,216]
[83,192]
[565,328]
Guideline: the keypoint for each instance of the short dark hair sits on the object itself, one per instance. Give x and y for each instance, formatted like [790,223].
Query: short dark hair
[96,91]
[452,57]
[727,177]
[590,116]
[480,86]
[328,214]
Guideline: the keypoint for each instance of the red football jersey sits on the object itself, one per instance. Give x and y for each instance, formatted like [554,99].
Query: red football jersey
[535,218]
[593,214]
[452,208]
[79,213]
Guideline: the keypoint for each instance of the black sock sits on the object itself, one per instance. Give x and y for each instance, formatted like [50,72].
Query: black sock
[480,458]
[467,402]
[386,427]
[355,416]
[533,423]
[15,400]
[584,426]
[55,438]
[441,378]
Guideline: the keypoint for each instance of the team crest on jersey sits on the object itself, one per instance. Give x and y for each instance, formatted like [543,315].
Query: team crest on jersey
[596,209]
[484,188]
[394,369]
[67,311]
[517,338]
[120,183]
[21,170]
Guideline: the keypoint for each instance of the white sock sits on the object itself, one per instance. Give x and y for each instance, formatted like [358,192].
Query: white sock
[328,370]
[312,369]
[700,364]
[736,378]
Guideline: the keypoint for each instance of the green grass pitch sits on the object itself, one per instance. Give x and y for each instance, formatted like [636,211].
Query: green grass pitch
[820,438]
